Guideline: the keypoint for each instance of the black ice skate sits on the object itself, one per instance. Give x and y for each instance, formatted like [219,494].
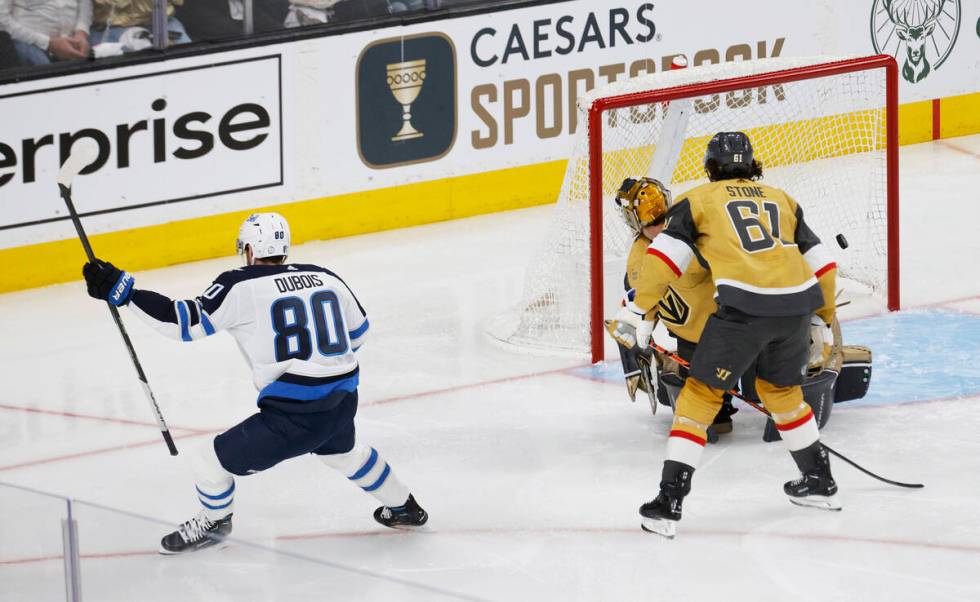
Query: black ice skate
[816,487]
[660,516]
[196,534]
[409,516]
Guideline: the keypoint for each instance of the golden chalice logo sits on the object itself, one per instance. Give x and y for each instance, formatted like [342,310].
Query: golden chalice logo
[405,81]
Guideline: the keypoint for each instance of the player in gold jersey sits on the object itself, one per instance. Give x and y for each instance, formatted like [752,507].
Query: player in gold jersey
[688,301]
[771,274]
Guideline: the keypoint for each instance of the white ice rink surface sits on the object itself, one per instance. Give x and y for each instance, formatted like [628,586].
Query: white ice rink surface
[532,468]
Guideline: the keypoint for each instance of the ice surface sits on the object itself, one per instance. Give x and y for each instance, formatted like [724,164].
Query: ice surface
[532,467]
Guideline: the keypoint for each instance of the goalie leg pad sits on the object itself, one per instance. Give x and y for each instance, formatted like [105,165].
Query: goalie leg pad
[818,393]
[855,375]
[631,369]
[647,381]
[671,374]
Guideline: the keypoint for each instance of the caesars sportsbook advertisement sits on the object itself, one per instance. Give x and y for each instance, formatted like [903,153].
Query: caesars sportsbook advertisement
[322,118]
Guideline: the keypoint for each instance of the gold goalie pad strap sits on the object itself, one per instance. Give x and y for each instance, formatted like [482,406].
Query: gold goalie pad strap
[835,358]
[667,364]
[856,354]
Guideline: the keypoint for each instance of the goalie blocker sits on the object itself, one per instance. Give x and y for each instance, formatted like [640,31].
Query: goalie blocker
[636,363]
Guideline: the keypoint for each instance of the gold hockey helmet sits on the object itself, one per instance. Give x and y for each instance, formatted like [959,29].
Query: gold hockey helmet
[643,202]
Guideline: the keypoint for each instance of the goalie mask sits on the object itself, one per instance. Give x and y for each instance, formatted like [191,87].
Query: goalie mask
[643,203]
[266,233]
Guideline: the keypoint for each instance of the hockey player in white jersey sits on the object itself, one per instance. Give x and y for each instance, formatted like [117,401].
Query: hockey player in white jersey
[298,326]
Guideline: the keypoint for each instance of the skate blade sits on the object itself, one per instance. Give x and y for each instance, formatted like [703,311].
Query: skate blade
[822,502]
[662,527]
[218,545]
[423,527]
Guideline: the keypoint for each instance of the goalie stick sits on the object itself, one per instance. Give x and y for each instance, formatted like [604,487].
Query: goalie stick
[85,152]
[758,407]
[677,113]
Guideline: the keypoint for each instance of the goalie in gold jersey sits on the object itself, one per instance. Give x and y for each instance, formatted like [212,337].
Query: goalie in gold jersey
[686,304]
[771,274]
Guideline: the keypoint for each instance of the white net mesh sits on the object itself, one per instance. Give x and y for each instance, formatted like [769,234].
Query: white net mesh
[821,140]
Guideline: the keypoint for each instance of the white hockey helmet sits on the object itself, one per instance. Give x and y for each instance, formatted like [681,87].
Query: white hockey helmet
[266,233]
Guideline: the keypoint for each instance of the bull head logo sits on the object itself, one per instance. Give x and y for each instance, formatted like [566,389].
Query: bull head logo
[923,27]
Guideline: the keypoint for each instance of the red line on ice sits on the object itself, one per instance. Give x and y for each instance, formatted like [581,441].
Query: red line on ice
[104,450]
[943,303]
[4,406]
[475,385]
[199,432]
[810,537]
[959,149]
[620,530]
[911,402]
[84,556]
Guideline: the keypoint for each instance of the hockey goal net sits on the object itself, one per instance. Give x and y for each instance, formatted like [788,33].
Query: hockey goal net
[824,128]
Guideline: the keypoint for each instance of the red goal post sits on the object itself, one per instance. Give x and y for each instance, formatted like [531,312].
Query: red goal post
[602,105]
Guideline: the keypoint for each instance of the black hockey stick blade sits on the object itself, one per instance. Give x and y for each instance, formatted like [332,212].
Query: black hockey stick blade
[85,152]
[170,442]
[869,473]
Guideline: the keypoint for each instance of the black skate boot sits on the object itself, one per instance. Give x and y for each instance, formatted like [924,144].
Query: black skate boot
[402,517]
[196,534]
[816,487]
[660,516]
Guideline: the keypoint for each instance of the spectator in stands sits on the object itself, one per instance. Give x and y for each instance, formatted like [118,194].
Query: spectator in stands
[311,12]
[47,30]
[8,54]
[215,19]
[129,22]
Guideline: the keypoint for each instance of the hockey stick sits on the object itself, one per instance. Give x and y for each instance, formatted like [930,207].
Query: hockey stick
[85,152]
[758,407]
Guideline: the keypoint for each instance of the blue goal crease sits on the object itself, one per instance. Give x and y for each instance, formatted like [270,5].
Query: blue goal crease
[917,355]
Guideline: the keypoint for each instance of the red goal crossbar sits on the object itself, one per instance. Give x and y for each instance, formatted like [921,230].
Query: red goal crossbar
[601,105]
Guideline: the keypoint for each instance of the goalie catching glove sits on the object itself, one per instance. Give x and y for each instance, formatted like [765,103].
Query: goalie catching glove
[107,282]
[628,327]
